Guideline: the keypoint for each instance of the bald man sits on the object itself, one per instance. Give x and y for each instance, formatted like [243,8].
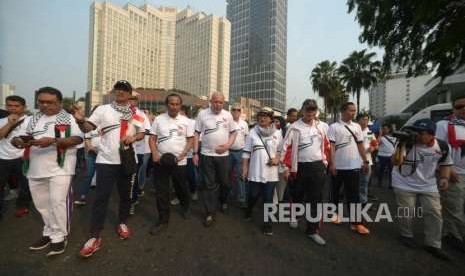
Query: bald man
[218,131]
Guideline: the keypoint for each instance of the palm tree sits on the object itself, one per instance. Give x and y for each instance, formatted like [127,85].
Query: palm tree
[358,72]
[336,97]
[321,77]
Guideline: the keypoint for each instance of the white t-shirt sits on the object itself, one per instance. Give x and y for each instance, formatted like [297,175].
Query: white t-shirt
[43,161]
[242,132]
[142,146]
[310,140]
[254,150]
[368,136]
[347,156]
[192,126]
[216,129]
[107,119]
[94,137]
[456,153]
[424,177]
[7,150]
[172,134]
[386,146]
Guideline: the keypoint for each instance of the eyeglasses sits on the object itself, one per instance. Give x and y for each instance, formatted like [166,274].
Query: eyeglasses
[236,109]
[459,106]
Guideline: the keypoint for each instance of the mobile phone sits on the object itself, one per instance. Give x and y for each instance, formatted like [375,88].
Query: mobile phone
[26,138]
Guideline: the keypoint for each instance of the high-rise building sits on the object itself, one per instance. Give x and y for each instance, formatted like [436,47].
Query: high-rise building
[5,91]
[202,53]
[398,91]
[258,50]
[131,43]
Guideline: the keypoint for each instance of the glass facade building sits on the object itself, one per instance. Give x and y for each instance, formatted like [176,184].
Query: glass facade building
[258,51]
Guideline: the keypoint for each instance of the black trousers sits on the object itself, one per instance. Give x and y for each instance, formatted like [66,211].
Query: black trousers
[214,173]
[311,177]
[178,176]
[8,168]
[350,181]
[107,176]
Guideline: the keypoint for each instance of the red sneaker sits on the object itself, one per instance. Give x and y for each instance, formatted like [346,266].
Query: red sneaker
[90,247]
[123,231]
[21,212]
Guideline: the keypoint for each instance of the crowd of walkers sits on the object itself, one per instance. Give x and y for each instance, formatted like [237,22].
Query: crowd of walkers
[219,158]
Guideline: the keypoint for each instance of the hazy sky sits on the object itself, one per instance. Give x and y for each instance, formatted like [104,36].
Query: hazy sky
[46,42]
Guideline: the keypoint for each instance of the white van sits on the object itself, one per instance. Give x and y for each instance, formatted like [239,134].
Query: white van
[434,112]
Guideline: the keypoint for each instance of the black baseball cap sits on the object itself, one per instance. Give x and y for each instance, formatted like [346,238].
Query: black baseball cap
[309,104]
[123,85]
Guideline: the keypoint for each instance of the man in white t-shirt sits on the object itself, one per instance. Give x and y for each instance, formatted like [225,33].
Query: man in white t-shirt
[414,177]
[218,131]
[347,158]
[11,157]
[170,141]
[368,145]
[385,151]
[50,162]
[120,126]
[452,130]
[235,155]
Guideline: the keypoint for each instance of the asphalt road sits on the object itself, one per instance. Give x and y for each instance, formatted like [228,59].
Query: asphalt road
[231,247]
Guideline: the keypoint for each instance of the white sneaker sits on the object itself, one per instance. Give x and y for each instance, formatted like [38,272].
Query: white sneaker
[132,209]
[195,196]
[294,224]
[13,194]
[175,201]
[317,239]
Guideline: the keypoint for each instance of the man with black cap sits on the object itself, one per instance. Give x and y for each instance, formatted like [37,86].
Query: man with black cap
[170,141]
[414,176]
[308,161]
[116,161]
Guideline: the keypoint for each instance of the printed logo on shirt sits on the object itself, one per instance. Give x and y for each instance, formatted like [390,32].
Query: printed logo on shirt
[44,130]
[217,127]
[166,138]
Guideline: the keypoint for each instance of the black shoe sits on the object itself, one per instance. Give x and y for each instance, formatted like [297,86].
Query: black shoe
[438,253]
[42,243]
[157,229]
[209,221]
[57,248]
[268,230]
[224,208]
[408,241]
[455,243]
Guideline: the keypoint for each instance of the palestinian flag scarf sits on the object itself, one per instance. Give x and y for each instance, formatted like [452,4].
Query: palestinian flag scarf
[62,129]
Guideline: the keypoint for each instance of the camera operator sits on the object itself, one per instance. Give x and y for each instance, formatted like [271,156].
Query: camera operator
[414,176]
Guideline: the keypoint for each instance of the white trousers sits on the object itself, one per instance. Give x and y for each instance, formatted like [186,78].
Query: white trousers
[52,197]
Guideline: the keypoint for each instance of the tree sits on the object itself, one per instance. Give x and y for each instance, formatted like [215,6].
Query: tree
[358,72]
[422,36]
[336,97]
[321,78]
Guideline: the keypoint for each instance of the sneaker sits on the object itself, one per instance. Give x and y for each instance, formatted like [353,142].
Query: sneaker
[294,224]
[21,212]
[42,243]
[335,219]
[123,231]
[408,242]
[57,248]
[157,229]
[80,202]
[141,193]
[360,228]
[438,253]
[132,209]
[13,194]
[90,247]
[195,196]
[209,221]
[454,243]
[175,201]
[136,202]
[224,208]
[268,230]
[317,239]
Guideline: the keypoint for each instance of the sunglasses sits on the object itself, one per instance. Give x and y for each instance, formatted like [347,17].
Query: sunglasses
[459,106]
[236,109]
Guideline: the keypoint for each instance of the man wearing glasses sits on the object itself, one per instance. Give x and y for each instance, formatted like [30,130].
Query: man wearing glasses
[235,155]
[452,130]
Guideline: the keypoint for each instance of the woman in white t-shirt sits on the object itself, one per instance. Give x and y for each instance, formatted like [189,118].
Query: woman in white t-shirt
[385,151]
[260,162]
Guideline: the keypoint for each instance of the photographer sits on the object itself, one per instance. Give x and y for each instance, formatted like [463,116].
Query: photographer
[260,160]
[414,176]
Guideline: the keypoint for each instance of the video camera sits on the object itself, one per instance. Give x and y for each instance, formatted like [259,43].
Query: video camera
[406,135]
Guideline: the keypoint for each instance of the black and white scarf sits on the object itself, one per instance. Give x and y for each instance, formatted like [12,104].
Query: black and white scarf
[63,118]
[125,110]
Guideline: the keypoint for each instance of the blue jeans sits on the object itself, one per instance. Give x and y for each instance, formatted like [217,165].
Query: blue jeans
[364,181]
[384,163]
[90,171]
[239,186]
[192,176]
[256,189]
[142,162]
